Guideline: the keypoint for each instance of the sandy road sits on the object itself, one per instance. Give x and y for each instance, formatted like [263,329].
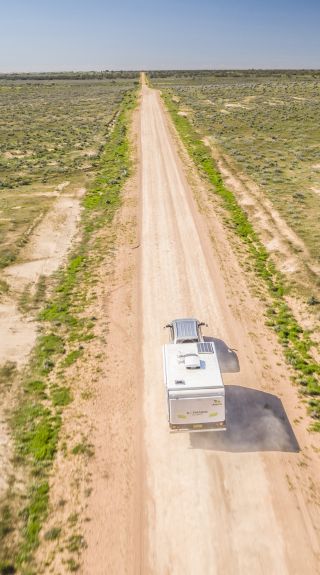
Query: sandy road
[235,503]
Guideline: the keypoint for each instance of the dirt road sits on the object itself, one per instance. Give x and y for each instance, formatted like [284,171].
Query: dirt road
[240,502]
[244,501]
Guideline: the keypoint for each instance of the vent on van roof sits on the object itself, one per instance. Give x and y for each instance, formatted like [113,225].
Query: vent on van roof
[205,347]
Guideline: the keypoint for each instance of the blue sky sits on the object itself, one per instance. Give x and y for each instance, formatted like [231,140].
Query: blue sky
[102,34]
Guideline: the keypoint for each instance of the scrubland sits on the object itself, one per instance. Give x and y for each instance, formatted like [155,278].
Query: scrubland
[51,132]
[266,126]
[64,159]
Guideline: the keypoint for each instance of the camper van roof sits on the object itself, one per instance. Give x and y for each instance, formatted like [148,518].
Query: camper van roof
[180,376]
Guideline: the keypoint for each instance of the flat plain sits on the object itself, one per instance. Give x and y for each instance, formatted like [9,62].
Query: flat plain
[51,133]
[93,481]
[264,127]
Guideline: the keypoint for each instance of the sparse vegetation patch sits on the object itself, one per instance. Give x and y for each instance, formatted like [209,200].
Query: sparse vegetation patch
[266,124]
[52,131]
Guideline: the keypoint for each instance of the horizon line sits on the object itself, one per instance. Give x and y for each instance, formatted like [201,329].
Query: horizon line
[139,70]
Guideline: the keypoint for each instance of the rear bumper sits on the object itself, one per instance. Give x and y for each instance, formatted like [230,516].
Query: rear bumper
[219,426]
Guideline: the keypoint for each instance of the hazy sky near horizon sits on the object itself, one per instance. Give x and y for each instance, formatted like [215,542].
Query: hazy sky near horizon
[53,35]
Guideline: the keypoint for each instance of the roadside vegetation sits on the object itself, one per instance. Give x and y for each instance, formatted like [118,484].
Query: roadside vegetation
[297,344]
[85,116]
[266,122]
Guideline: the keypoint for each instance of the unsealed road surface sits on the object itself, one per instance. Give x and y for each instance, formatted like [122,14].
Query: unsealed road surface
[213,503]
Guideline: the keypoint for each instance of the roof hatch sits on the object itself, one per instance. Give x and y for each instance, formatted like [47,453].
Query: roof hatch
[192,361]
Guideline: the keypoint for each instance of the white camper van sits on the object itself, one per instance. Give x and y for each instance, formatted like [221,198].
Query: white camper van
[194,386]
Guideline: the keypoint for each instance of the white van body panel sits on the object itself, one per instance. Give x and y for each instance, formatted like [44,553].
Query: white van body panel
[194,386]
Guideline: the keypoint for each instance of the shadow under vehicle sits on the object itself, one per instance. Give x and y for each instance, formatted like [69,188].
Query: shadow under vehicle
[256,421]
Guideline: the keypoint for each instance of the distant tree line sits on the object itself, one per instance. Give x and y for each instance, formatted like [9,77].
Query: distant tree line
[103,75]
[232,73]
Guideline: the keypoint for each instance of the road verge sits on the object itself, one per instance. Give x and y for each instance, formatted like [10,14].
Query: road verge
[296,343]
[65,331]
